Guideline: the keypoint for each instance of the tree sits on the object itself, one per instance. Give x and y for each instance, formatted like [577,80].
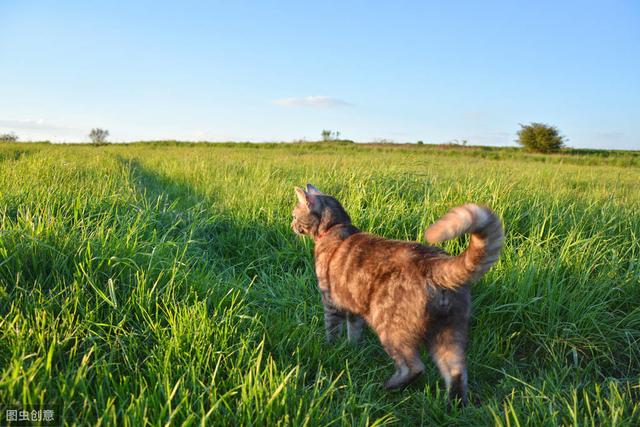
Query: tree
[99,136]
[326,135]
[8,137]
[540,137]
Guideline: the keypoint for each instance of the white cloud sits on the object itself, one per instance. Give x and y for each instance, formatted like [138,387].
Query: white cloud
[31,124]
[39,129]
[312,101]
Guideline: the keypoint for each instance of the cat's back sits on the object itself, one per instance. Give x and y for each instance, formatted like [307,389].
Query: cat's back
[366,267]
[365,251]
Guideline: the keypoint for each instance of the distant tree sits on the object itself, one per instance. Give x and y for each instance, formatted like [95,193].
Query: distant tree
[99,136]
[8,137]
[540,137]
[326,135]
[420,142]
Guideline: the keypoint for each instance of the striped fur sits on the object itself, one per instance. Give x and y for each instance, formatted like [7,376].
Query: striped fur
[484,248]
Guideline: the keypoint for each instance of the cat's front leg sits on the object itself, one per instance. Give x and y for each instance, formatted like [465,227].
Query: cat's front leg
[333,318]
[355,326]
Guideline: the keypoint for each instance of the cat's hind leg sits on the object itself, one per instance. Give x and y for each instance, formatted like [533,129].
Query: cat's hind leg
[407,361]
[355,326]
[448,348]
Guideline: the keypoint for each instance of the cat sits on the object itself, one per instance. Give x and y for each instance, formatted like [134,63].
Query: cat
[407,292]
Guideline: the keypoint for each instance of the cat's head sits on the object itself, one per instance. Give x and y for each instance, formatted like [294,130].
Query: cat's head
[316,212]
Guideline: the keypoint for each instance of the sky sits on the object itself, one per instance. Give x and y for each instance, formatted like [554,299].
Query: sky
[281,71]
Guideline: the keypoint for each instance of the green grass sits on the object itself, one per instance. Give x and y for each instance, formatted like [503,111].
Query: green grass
[154,284]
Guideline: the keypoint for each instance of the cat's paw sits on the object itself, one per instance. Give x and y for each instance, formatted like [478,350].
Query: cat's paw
[401,379]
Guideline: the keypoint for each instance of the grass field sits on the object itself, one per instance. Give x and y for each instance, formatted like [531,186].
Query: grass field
[161,284]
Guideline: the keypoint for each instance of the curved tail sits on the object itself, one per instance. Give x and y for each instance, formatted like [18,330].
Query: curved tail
[484,248]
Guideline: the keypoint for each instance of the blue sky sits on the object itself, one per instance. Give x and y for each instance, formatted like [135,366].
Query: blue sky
[266,71]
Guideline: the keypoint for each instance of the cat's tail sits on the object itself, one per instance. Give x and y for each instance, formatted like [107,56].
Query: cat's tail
[487,237]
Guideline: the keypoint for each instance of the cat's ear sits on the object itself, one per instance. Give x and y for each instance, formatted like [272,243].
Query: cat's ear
[304,197]
[313,190]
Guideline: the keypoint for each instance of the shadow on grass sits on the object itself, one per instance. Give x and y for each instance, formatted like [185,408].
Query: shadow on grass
[216,234]
[275,273]
[9,152]
[276,270]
